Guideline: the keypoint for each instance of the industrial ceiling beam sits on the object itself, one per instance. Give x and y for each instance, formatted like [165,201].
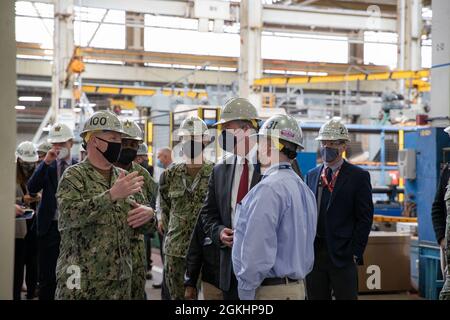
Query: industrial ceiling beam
[272,14]
[333,19]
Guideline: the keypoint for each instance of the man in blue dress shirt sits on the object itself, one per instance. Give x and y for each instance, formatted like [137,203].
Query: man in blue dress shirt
[275,227]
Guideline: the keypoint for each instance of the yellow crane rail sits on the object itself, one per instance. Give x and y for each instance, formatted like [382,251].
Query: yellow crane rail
[393,75]
[380,218]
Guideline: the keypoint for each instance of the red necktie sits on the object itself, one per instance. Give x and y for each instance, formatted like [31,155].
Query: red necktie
[243,183]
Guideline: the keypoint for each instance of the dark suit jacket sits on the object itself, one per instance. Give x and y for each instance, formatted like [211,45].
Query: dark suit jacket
[216,212]
[349,215]
[202,258]
[439,209]
[45,178]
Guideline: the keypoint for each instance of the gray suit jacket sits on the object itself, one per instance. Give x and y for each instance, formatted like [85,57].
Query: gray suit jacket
[216,212]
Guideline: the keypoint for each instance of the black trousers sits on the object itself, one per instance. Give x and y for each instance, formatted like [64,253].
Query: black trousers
[19,263]
[327,281]
[48,257]
[232,293]
[31,261]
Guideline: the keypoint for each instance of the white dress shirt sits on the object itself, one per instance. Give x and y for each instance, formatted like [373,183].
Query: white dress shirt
[251,160]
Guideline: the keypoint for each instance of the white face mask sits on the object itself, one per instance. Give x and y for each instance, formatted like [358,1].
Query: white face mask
[63,153]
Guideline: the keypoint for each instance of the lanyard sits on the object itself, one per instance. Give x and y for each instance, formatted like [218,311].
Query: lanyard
[280,167]
[332,183]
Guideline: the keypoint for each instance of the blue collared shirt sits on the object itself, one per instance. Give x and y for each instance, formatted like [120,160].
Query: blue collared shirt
[275,231]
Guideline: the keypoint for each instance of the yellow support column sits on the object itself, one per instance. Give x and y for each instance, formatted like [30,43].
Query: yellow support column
[150,142]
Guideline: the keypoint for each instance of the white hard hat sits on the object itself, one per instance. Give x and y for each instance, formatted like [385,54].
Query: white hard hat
[283,127]
[142,150]
[132,130]
[103,120]
[237,109]
[60,132]
[27,152]
[193,126]
[333,130]
[44,147]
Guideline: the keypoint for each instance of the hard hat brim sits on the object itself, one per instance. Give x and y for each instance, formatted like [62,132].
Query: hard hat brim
[125,136]
[83,133]
[262,134]
[321,138]
[59,140]
[28,159]
[222,121]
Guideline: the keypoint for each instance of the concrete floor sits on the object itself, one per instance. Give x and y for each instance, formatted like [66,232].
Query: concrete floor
[155,294]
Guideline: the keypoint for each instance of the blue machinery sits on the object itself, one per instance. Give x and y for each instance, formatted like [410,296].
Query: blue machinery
[430,146]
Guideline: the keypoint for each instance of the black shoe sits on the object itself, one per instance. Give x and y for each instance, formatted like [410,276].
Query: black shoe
[157,285]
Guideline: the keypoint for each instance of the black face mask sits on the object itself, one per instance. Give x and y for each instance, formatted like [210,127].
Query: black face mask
[127,155]
[192,149]
[112,152]
[227,141]
[329,154]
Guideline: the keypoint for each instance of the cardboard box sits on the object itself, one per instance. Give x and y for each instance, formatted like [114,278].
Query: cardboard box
[386,263]
[407,227]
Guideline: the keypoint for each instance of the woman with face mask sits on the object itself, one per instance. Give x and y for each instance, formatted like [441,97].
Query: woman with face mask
[183,188]
[26,239]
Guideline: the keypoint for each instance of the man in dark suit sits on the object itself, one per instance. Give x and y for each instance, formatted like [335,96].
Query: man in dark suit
[229,182]
[344,201]
[46,178]
[439,211]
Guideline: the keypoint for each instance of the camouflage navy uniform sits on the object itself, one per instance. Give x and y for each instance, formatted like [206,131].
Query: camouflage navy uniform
[148,197]
[181,199]
[95,236]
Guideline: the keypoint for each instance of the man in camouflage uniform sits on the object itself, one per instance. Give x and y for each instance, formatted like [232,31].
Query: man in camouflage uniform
[130,145]
[183,188]
[98,205]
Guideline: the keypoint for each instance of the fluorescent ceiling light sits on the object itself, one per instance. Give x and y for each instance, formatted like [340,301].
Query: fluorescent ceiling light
[37,99]
[20,107]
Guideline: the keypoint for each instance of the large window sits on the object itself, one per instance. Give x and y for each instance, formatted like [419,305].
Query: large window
[179,35]
[99,28]
[34,23]
[426,53]
[380,48]
[304,47]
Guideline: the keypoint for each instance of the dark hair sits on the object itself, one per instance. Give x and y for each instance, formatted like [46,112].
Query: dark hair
[289,149]
[21,179]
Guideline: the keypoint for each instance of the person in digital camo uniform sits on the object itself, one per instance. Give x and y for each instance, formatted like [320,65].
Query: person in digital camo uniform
[130,145]
[183,188]
[98,205]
